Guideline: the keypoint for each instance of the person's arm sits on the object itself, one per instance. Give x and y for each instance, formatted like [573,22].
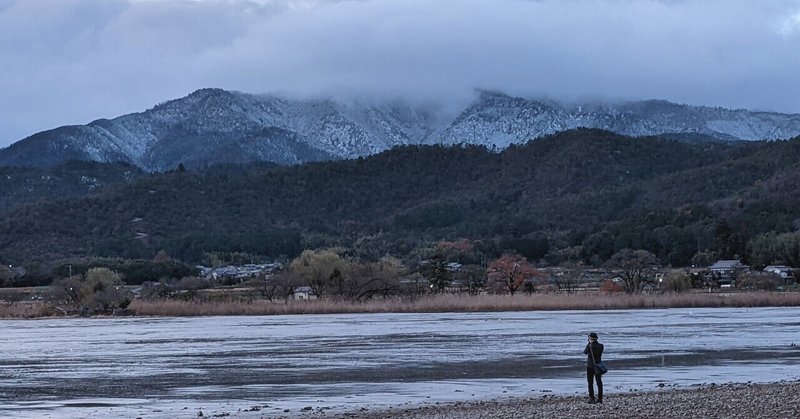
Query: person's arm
[586,350]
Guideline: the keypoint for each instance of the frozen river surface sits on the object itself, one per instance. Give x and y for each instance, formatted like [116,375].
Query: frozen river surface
[277,365]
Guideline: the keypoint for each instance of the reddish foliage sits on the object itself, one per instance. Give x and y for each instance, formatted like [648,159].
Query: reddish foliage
[611,287]
[509,272]
[161,257]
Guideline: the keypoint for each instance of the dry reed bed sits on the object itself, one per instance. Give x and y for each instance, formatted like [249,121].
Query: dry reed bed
[25,310]
[429,304]
[465,303]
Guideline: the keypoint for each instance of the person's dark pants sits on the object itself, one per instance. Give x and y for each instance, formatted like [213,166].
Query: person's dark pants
[597,377]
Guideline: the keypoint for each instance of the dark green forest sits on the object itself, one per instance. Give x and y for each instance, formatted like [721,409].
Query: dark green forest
[579,195]
[26,185]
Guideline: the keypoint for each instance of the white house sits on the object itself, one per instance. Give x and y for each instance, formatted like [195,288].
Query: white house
[782,271]
[304,293]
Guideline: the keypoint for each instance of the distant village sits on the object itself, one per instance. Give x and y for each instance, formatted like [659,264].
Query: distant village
[723,275]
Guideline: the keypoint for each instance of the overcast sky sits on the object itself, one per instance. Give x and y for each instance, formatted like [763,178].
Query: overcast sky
[70,62]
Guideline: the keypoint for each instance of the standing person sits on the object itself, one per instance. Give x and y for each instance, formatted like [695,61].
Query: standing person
[594,352]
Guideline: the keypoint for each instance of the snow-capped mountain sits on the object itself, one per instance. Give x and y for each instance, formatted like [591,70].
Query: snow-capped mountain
[499,120]
[216,126]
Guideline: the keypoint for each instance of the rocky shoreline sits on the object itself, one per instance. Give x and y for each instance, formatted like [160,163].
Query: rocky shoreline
[773,400]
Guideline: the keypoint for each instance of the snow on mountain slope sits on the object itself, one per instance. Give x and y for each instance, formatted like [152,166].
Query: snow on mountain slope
[498,120]
[216,126]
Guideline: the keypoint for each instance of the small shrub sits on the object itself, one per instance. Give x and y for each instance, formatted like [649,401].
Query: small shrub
[676,281]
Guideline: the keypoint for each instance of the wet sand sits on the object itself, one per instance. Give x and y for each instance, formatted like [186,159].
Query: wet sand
[774,400]
[732,400]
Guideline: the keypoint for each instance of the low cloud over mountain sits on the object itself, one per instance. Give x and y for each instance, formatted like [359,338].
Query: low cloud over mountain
[212,126]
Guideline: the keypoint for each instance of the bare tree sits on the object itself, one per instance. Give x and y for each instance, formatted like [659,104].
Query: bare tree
[278,285]
[568,279]
[472,278]
[66,293]
[363,280]
[636,268]
[414,285]
[13,296]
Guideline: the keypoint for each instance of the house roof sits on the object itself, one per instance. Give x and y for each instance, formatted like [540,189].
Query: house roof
[777,267]
[727,264]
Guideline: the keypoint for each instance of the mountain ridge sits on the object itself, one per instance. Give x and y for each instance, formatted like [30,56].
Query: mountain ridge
[213,126]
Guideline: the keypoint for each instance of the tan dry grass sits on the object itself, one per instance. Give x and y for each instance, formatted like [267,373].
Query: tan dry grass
[465,303]
[25,310]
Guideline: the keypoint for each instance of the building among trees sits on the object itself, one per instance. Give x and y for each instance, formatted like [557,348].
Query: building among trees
[724,273]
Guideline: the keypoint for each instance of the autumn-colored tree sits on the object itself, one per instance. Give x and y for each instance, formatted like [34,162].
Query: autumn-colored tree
[610,287]
[510,272]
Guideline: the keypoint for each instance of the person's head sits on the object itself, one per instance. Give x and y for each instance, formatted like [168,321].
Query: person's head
[593,337]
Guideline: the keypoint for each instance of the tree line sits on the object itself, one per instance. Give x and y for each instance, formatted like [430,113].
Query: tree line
[331,274]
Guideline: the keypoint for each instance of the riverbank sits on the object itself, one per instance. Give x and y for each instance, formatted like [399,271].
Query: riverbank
[468,303]
[773,400]
[439,303]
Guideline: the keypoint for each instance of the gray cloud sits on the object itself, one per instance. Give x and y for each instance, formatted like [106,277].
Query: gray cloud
[69,62]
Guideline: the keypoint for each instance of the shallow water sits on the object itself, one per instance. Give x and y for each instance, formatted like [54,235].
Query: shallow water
[170,367]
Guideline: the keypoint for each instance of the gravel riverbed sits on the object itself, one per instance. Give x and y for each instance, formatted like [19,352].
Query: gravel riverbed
[774,400]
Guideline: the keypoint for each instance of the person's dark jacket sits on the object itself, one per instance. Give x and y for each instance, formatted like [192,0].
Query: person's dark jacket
[596,350]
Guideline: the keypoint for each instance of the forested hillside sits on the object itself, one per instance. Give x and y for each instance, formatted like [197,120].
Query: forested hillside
[25,185]
[577,195]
